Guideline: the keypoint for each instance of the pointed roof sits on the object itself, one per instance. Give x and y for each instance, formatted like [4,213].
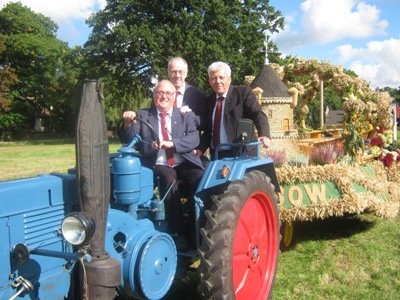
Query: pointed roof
[270,83]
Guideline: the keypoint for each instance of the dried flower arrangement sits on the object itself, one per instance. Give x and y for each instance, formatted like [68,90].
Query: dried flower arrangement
[297,160]
[326,154]
[385,149]
[278,156]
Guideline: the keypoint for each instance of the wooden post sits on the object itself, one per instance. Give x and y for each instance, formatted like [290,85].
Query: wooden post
[321,114]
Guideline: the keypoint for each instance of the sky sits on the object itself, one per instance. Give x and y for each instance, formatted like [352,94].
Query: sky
[363,36]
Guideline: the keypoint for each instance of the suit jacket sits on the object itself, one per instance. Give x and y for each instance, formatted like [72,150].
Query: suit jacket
[195,98]
[240,103]
[183,131]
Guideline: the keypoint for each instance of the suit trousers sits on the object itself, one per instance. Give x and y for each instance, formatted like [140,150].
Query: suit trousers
[187,177]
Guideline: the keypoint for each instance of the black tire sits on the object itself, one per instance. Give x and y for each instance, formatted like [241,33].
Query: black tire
[244,216]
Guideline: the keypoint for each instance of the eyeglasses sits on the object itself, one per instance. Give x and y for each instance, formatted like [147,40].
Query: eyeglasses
[168,94]
[181,72]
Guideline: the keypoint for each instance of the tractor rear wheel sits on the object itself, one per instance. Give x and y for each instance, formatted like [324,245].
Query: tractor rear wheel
[240,246]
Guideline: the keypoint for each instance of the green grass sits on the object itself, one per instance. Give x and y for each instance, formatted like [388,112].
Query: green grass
[30,158]
[354,257]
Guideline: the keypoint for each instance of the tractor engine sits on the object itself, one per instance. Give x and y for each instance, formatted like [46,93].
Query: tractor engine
[148,257]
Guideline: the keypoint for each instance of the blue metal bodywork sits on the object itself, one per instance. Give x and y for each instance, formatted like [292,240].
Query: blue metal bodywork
[31,214]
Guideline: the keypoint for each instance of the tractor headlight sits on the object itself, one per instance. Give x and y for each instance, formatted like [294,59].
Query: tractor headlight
[78,228]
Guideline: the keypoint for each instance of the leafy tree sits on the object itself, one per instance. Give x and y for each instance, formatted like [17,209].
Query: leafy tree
[7,79]
[34,52]
[132,41]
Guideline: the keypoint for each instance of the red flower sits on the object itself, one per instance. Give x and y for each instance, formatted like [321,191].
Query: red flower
[376,141]
[388,160]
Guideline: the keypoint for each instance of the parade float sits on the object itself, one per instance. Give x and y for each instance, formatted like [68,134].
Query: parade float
[349,168]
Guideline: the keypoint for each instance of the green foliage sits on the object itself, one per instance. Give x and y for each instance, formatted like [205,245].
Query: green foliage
[12,124]
[34,52]
[298,159]
[353,143]
[7,79]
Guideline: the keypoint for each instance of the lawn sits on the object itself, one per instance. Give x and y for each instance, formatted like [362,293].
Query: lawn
[354,257]
[26,159]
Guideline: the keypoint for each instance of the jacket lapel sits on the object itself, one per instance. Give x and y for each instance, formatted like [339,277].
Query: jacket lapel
[174,122]
[153,119]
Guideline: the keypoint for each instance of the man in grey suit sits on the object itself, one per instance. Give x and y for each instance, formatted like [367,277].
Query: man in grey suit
[234,103]
[188,97]
[174,158]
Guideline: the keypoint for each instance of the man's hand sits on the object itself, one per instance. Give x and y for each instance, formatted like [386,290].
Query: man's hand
[129,117]
[185,109]
[198,152]
[265,141]
[163,145]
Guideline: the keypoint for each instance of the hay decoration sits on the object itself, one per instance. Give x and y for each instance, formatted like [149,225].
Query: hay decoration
[382,197]
[393,173]
[306,75]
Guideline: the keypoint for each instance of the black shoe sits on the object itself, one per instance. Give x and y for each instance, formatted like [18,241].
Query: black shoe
[181,242]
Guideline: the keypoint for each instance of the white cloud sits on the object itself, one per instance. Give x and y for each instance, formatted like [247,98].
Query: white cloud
[329,21]
[326,21]
[62,10]
[70,15]
[377,63]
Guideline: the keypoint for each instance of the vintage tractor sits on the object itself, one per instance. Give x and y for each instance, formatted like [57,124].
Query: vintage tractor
[97,232]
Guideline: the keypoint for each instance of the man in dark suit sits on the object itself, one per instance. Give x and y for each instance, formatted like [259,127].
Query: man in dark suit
[188,97]
[174,158]
[231,103]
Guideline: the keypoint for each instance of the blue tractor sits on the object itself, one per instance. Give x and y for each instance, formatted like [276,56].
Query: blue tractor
[97,232]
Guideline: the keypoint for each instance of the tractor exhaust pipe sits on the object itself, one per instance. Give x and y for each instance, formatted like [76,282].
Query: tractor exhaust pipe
[103,273]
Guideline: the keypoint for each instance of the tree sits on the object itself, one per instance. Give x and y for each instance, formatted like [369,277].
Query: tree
[33,51]
[7,79]
[132,41]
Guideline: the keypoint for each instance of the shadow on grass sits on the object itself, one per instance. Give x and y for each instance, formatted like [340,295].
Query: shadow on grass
[185,288]
[332,228]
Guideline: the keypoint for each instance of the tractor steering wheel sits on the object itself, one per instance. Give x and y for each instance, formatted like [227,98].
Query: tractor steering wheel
[153,132]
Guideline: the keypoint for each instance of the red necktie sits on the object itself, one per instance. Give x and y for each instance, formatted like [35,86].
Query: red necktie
[177,93]
[169,152]
[217,122]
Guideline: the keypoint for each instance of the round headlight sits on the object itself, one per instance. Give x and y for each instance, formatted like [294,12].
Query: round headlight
[78,228]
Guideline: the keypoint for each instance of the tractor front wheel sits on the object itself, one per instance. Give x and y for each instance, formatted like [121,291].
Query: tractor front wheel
[240,247]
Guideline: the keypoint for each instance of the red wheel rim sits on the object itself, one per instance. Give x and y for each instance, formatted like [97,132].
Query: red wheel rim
[255,248]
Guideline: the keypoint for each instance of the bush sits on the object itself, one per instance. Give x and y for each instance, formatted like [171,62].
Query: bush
[297,160]
[278,156]
[326,154]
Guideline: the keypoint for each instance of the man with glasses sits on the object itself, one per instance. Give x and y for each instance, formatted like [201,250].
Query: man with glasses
[188,97]
[173,159]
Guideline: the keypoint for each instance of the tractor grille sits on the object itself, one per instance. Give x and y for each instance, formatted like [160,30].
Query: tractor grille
[41,226]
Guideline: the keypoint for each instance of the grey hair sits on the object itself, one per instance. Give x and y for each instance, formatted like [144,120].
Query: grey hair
[164,81]
[177,58]
[217,66]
